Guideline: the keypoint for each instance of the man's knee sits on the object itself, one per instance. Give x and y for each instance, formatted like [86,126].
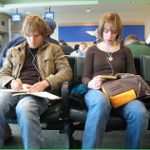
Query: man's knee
[3,105]
[22,107]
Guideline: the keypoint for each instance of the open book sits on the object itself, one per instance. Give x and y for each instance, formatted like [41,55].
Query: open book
[109,76]
[43,94]
[116,76]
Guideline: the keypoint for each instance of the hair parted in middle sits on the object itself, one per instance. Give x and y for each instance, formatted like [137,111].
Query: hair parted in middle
[35,23]
[112,18]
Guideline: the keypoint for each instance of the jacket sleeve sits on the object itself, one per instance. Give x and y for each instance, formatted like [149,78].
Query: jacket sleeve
[6,71]
[63,71]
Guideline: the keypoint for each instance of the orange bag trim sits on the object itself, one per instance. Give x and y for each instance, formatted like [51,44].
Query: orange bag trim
[123,98]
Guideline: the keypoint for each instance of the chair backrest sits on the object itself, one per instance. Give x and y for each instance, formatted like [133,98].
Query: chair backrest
[79,66]
[137,65]
[145,65]
[76,64]
[72,62]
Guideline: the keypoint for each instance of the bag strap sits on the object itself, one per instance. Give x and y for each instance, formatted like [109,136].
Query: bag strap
[139,87]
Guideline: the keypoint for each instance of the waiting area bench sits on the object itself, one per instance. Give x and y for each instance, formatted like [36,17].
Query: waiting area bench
[77,114]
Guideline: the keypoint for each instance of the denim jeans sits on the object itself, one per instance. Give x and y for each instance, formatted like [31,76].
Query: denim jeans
[28,110]
[137,118]
[99,108]
[98,114]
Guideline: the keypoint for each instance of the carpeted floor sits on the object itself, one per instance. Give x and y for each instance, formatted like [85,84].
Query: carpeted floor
[55,140]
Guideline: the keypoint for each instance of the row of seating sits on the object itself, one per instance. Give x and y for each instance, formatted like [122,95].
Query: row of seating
[77,115]
[64,116]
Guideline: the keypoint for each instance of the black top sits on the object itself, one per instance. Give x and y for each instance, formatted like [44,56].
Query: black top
[30,73]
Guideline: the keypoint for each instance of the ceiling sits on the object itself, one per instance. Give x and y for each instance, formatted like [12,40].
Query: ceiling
[71,6]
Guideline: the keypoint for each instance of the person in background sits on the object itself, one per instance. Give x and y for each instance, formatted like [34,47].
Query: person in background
[43,67]
[137,48]
[147,42]
[52,26]
[67,49]
[76,47]
[106,58]
[97,41]
[17,39]
[81,51]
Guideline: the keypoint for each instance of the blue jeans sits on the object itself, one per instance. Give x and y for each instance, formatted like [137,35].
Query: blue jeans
[99,108]
[137,118]
[28,110]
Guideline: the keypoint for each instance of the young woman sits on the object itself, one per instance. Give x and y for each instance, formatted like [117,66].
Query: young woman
[106,58]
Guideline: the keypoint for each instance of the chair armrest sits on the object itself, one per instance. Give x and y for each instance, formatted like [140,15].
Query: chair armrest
[65,100]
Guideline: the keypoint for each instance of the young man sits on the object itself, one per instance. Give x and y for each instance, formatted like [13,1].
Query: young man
[18,39]
[36,63]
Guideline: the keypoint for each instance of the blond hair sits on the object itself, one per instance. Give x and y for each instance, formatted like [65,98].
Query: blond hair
[112,18]
[34,23]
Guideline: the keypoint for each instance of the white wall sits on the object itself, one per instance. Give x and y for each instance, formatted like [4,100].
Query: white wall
[94,18]
[4,19]
[76,18]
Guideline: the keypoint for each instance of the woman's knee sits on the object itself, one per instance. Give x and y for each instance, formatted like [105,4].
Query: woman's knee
[142,113]
[95,98]
[139,111]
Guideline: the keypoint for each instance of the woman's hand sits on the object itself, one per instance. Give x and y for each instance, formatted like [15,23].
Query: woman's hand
[95,83]
[16,84]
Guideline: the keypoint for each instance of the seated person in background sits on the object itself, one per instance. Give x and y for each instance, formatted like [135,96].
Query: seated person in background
[52,26]
[37,63]
[81,51]
[17,39]
[97,41]
[67,49]
[110,57]
[76,47]
[147,42]
[137,48]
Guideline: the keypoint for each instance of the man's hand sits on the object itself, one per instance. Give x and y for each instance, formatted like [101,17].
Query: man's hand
[38,87]
[16,84]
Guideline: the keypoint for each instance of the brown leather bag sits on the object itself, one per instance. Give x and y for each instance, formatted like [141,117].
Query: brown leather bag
[125,89]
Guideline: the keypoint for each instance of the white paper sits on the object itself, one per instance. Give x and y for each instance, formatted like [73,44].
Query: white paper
[12,91]
[43,94]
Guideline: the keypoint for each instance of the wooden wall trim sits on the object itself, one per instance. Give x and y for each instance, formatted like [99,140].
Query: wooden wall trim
[96,23]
